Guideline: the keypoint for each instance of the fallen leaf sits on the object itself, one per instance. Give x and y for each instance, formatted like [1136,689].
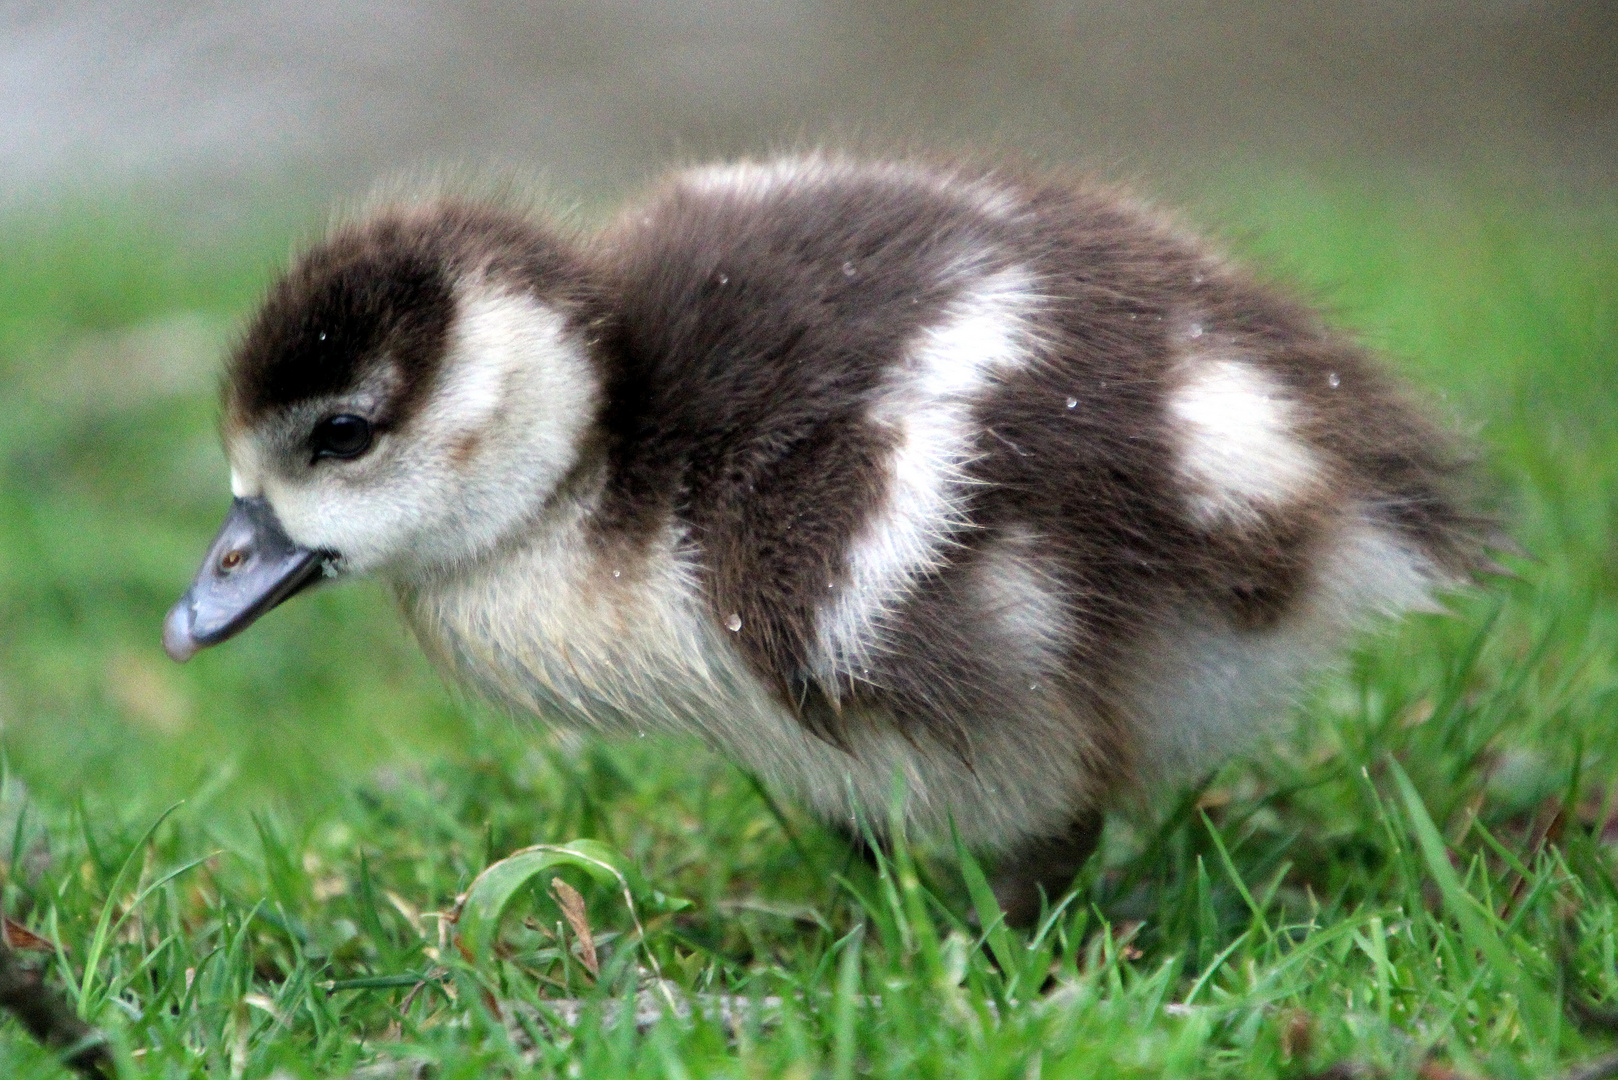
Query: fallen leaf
[572,905]
[19,936]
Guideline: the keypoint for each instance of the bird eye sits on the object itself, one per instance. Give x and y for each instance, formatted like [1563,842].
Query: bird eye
[344,436]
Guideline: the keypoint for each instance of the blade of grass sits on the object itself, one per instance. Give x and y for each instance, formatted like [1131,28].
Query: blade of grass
[98,940]
[845,1007]
[1235,876]
[1480,930]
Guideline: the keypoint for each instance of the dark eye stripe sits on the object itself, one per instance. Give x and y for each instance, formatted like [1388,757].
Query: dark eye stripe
[344,436]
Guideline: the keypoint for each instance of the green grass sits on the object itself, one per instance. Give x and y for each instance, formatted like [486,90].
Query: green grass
[1423,871]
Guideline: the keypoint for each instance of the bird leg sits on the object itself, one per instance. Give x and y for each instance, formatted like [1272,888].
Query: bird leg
[1041,870]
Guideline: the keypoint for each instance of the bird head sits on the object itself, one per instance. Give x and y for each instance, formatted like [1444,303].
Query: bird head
[411,392]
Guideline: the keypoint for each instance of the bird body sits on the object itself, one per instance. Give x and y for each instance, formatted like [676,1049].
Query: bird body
[1004,486]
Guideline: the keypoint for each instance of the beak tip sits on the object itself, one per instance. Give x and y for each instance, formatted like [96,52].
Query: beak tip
[251,567]
[178,641]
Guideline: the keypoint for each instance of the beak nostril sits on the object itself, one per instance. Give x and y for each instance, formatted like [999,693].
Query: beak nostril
[232,559]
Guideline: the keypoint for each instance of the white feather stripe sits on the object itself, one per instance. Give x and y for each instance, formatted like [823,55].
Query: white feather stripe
[928,402]
[759,180]
[1238,447]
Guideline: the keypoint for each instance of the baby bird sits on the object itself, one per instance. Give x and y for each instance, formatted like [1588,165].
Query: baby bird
[1000,485]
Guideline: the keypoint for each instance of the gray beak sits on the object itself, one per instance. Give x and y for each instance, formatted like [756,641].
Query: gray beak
[252,566]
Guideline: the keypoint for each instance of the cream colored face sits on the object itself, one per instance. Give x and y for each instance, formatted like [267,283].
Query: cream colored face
[497,431]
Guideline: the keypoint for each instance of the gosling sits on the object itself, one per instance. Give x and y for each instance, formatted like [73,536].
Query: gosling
[1001,485]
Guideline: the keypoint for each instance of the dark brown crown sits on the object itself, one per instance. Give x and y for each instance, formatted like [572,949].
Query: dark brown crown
[381,293]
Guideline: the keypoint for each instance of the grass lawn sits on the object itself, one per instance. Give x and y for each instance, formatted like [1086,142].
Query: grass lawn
[244,864]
